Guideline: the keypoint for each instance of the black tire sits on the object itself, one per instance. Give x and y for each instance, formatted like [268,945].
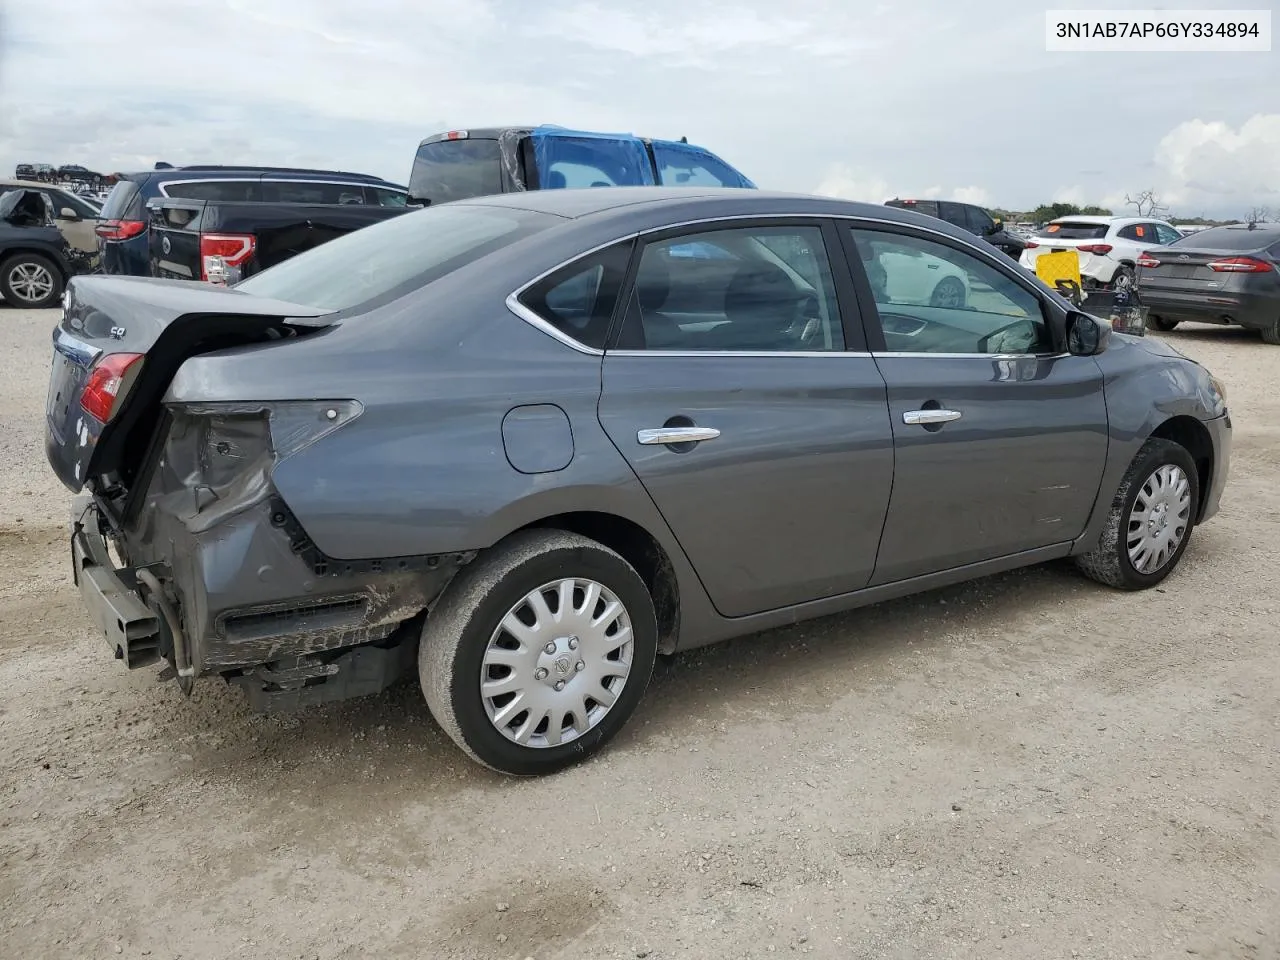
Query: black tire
[459,628]
[1271,333]
[1124,276]
[948,293]
[1109,561]
[15,295]
[1160,323]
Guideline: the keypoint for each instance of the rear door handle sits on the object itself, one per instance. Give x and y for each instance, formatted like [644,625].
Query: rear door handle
[662,436]
[923,417]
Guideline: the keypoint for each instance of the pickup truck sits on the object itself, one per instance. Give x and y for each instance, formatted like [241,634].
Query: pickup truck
[223,241]
[461,164]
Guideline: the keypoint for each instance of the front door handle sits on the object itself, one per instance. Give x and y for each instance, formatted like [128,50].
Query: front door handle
[663,436]
[920,418]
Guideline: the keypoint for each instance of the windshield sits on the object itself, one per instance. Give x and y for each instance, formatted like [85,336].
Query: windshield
[1230,238]
[1069,230]
[445,170]
[395,257]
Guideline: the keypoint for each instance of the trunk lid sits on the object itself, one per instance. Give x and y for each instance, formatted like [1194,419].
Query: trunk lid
[1186,269]
[143,330]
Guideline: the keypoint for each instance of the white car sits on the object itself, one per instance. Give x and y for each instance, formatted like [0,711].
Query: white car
[902,272]
[1108,247]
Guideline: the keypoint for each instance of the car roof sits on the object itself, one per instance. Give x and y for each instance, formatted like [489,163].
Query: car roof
[729,201]
[1109,221]
[30,185]
[214,170]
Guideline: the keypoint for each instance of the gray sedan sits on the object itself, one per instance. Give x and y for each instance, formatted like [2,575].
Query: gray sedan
[527,443]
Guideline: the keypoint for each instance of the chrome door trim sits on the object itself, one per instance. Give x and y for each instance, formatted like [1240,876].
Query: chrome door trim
[661,436]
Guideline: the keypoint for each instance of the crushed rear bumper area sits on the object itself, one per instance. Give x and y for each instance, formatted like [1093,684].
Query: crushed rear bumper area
[250,598]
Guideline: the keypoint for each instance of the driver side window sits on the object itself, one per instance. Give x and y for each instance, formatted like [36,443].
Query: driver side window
[934,298]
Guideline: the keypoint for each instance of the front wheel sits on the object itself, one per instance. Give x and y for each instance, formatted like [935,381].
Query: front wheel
[1151,519]
[538,652]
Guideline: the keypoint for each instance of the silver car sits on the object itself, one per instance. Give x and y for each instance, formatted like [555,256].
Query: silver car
[527,443]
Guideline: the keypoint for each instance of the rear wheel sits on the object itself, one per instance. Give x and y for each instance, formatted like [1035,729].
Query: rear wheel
[1152,515]
[1160,323]
[31,281]
[1123,279]
[1271,332]
[538,652]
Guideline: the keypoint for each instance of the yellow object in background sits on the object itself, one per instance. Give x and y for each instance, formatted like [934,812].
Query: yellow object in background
[1052,267]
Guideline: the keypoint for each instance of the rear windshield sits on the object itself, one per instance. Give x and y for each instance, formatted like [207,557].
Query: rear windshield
[1067,230]
[1229,238]
[395,257]
[927,207]
[445,170]
[120,203]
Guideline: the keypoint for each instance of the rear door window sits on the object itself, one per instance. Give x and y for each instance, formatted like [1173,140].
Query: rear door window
[588,160]
[445,170]
[578,301]
[953,213]
[309,191]
[979,221]
[236,190]
[680,165]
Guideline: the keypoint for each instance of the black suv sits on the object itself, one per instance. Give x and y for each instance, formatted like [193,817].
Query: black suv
[123,240]
[969,217]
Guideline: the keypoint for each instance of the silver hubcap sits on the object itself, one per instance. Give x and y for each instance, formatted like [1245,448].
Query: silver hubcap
[30,281]
[1159,519]
[948,293]
[557,663]
[1123,280]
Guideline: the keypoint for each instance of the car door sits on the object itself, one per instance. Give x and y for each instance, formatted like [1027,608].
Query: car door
[1000,438]
[79,228]
[739,390]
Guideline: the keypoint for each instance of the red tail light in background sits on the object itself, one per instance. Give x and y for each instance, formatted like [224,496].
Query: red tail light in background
[1147,260]
[1031,244]
[103,388]
[119,229]
[1101,249]
[1240,265]
[223,255]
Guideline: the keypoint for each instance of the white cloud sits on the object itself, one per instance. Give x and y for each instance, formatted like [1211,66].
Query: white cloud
[944,98]
[976,195]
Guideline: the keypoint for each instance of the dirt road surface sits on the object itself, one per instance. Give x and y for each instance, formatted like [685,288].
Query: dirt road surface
[1029,766]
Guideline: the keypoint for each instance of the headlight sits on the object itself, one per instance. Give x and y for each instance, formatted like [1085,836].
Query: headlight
[1219,387]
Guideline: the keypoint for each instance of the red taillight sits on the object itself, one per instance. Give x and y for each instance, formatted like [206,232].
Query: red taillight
[1240,265]
[1031,245]
[103,386]
[119,229]
[1147,260]
[223,254]
[1101,249]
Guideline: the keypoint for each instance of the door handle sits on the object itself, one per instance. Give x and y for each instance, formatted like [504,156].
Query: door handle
[919,418]
[662,436]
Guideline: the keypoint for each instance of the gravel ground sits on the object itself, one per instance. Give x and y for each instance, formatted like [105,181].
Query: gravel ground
[1028,766]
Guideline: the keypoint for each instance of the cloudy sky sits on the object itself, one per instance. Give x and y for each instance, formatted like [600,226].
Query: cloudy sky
[948,98]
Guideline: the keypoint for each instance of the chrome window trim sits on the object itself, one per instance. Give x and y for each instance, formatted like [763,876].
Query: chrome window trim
[163,187]
[524,313]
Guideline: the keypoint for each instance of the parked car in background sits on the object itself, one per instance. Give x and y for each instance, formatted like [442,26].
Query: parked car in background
[968,216]
[527,442]
[74,215]
[223,241]
[35,259]
[1108,247]
[123,234]
[24,171]
[461,164]
[1226,275]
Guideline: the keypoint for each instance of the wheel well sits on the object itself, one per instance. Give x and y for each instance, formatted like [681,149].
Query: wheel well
[634,544]
[1192,435]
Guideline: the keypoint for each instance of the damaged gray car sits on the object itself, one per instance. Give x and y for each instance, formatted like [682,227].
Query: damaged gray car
[527,443]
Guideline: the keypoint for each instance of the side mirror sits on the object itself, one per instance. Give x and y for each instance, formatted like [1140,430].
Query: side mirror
[996,226]
[1086,336]
[66,213]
